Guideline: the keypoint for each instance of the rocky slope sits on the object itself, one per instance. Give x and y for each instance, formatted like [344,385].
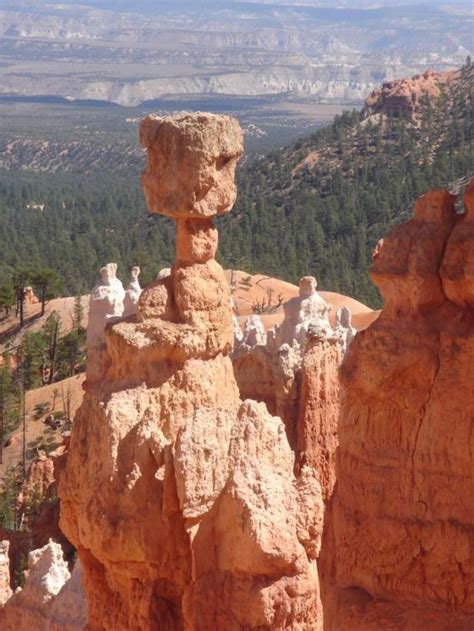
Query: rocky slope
[405,96]
[52,598]
[403,517]
[397,111]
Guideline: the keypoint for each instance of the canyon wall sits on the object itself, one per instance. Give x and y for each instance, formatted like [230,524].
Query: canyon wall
[180,498]
[401,529]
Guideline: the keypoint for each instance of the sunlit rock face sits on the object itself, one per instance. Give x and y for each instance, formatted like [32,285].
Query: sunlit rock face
[5,590]
[408,96]
[180,498]
[133,293]
[51,599]
[106,305]
[403,518]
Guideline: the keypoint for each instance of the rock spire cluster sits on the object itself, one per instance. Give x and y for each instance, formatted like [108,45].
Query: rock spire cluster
[108,302]
[191,508]
[175,490]
[293,369]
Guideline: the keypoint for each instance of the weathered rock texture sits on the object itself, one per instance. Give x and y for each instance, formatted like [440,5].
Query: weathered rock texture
[37,512]
[344,329]
[318,409]
[405,95]
[181,499]
[5,590]
[293,369]
[106,301]
[105,306]
[39,480]
[133,293]
[51,599]
[403,520]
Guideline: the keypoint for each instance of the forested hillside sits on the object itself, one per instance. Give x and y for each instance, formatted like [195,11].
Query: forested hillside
[75,225]
[317,207]
[320,206]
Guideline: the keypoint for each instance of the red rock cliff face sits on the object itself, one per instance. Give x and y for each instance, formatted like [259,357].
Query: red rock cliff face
[403,514]
[404,95]
[319,410]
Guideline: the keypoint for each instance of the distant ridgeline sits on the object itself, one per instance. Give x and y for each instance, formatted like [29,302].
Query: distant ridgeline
[317,207]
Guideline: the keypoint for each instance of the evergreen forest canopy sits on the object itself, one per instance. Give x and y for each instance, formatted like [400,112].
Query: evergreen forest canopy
[317,207]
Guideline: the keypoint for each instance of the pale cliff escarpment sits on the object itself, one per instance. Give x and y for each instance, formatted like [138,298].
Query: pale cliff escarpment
[180,498]
[400,538]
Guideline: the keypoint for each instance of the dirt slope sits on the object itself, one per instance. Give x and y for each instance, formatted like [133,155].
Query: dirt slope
[10,333]
[38,434]
[249,289]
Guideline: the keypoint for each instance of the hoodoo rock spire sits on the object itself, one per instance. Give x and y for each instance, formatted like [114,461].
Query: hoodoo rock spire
[175,490]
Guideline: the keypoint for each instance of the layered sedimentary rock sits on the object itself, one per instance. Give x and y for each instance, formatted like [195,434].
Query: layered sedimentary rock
[105,305]
[108,302]
[181,499]
[318,409]
[37,511]
[403,519]
[344,329]
[38,481]
[51,599]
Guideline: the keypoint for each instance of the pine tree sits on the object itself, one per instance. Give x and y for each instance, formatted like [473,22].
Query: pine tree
[78,313]
[48,284]
[7,297]
[51,332]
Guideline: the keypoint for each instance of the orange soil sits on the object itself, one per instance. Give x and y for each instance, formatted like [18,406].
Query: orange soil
[11,334]
[247,289]
[310,161]
[37,433]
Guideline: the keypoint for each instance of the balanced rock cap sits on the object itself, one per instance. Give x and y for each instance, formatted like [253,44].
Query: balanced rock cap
[191,164]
